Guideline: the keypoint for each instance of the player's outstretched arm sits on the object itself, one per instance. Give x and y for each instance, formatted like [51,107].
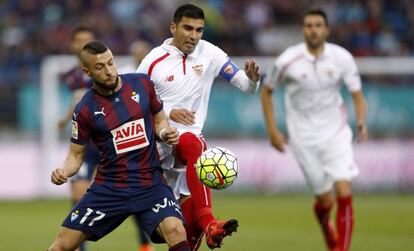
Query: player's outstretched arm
[277,139]
[247,80]
[361,111]
[163,130]
[70,166]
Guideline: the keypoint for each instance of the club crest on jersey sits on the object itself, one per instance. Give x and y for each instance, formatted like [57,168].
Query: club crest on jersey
[75,129]
[130,136]
[229,69]
[74,215]
[135,96]
[198,69]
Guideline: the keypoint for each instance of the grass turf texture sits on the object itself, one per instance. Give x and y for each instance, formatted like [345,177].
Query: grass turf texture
[277,222]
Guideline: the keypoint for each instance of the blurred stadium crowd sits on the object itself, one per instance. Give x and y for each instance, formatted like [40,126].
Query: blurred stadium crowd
[33,29]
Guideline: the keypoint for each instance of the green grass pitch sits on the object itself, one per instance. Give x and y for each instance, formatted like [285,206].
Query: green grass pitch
[276,222]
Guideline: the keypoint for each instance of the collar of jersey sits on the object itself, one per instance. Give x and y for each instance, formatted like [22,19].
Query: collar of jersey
[311,57]
[175,51]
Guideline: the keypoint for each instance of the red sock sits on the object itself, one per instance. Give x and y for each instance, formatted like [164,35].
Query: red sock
[182,246]
[344,222]
[322,214]
[188,150]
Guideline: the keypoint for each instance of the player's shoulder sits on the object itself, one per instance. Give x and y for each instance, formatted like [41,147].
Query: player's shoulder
[291,53]
[206,48]
[338,52]
[156,53]
[86,101]
[136,79]
[134,76]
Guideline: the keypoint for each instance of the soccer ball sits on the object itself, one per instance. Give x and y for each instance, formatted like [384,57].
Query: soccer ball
[217,168]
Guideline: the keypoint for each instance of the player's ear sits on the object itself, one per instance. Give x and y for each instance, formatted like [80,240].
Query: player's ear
[85,70]
[173,28]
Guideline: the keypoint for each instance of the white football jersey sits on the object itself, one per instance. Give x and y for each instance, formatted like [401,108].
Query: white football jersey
[185,81]
[314,105]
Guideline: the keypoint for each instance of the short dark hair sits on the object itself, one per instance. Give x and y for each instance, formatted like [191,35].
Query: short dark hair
[188,10]
[316,12]
[80,29]
[95,47]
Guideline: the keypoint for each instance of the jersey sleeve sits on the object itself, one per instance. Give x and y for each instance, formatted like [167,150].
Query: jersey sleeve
[80,127]
[156,104]
[273,75]
[143,66]
[351,77]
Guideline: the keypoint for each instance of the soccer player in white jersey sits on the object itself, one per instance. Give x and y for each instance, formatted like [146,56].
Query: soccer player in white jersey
[183,69]
[321,140]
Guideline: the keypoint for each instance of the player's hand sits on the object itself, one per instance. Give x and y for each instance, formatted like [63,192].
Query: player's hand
[170,136]
[182,116]
[252,70]
[362,132]
[278,140]
[59,176]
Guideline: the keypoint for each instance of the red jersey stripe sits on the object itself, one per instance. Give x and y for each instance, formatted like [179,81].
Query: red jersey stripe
[156,61]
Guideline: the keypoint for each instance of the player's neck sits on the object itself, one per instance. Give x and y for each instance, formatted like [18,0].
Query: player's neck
[316,51]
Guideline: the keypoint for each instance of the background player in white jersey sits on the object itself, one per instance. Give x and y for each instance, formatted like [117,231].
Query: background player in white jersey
[319,135]
[183,69]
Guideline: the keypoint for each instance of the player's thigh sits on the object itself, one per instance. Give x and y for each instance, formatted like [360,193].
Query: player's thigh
[338,158]
[160,209]
[98,213]
[68,239]
[309,160]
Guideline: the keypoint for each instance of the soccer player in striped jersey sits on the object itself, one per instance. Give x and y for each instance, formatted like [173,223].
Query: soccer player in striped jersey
[183,70]
[79,83]
[123,116]
[321,140]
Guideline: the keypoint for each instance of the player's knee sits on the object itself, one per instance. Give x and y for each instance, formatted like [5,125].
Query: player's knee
[174,231]
[189,147]
[326,199]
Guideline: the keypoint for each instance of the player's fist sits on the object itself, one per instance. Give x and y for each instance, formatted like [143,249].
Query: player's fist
[170,135]
[252,70]
[59,176]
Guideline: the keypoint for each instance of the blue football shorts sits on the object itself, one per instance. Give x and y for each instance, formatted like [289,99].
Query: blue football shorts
[104,208]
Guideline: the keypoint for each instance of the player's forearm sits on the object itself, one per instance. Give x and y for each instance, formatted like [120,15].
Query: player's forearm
[360,106]
[241,81]
[72,163]
[270,118]
[160,124]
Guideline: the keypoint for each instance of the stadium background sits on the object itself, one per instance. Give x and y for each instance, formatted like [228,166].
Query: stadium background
[270,197]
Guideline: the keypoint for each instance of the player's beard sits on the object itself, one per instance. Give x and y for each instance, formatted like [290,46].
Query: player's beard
[109,87]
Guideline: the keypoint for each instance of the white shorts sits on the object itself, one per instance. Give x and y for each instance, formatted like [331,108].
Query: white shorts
[174,171]
[327,163]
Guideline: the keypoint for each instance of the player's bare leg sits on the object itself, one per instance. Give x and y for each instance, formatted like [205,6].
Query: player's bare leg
[188,150]
[67,240]
[345,214]
[322,208]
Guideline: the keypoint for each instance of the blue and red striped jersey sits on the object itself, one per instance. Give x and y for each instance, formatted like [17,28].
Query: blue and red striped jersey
[122,127]
[76,79]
